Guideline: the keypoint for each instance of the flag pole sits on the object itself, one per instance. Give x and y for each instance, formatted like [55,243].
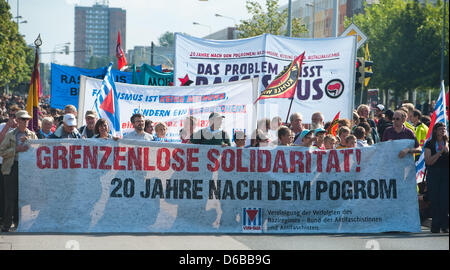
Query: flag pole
[289,111]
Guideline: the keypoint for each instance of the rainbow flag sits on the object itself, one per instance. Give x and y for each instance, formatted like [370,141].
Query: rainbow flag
[33,95]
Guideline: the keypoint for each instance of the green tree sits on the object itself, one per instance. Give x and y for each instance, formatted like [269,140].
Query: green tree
[271,21]
[16,59]
[404,39]
[167,39]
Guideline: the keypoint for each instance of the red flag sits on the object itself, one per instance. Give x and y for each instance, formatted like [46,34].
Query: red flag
[332,129]
[285,84]
[121,60]
[33,95]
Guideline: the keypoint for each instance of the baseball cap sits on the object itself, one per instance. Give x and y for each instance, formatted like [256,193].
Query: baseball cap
[22,114]
[381,107]
[304,133]
[215,115]
[91,114]
[317,130]
[70,120]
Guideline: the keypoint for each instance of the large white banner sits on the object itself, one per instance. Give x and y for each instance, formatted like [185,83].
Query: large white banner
[326,81]
[172,105]
[134,186]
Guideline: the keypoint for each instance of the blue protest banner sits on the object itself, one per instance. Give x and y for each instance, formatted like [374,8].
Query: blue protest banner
[66,82]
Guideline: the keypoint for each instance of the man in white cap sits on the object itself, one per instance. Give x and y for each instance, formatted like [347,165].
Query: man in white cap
[213,134]
[14,142]
[68,129]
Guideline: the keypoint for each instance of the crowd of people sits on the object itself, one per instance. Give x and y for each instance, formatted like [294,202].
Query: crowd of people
[367,127]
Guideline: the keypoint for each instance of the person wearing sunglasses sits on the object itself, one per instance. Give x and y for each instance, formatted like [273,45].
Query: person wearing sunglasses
[399,131]
[15,141]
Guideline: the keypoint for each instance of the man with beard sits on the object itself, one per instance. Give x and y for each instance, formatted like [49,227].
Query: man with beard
[138,133]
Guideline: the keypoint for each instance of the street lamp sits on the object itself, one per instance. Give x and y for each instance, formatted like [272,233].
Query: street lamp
[313,5]
[196,23]
[234,20]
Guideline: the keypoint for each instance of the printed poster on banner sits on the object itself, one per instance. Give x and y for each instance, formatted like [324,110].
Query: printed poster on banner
[172,105]
[326,80]
[130,186]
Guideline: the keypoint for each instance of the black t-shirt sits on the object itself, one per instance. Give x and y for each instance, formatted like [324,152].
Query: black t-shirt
[442,162]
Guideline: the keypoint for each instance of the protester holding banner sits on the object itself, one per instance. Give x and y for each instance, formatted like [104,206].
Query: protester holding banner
[68,129]
[213,134]
[148,126]
[239,138]
[101,130]
[329,142]
[343,132]
[160,131]
[437,164]
[88,130]
[399,131]
[285,136]
[138,122]
[350,141]
[296,126]
[317,120]
[188,129]
[14,142]
[319,135]
[46,128]
[306,138]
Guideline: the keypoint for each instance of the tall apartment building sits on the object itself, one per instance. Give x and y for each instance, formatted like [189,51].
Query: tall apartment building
[97,27]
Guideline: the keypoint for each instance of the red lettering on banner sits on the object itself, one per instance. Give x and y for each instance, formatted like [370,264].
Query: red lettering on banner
[118,158]
[277,165]
[57,157]
[296,161]
[191,159]
[147,166]
[46,163]
[308,162]
[225,154]
[159,164]
[105,157]
[90,157]
[333,161]
[346,153]
[239,166]
[178,159]
[213,155]
[73,156]
[319,159]
[252,160]
[261,167]
[135,159]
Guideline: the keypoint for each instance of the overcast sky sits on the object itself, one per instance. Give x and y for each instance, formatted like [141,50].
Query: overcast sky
[146,20]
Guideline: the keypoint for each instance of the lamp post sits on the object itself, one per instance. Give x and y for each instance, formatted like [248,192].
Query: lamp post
[313,5]
[289,25]
[209,27]
[443,42]
[234,21]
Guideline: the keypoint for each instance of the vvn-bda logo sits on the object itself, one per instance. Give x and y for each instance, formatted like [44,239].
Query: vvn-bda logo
[252,219]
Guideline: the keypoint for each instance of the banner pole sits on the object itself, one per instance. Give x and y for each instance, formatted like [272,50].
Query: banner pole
[289,110]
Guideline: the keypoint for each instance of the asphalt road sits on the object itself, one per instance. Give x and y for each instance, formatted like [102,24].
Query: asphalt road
[384,241]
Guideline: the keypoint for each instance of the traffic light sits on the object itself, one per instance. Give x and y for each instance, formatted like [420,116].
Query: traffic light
[367,71]
[359,81]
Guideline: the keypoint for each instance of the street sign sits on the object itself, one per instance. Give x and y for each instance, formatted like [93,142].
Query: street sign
[353,30]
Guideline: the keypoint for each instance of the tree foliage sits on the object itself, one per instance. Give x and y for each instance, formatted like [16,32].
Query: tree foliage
[16,58]
[167,39]
[404,39]
[270,21]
